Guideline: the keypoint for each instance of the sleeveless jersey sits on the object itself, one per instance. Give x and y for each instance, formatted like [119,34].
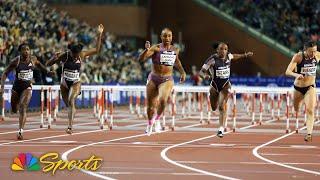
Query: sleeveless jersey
[24,71]
[164,56]
[219,70]
[71,68]
[307,67]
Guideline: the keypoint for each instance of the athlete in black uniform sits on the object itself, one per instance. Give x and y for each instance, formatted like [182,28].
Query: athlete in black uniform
[22,87]
[70,78]
[304,84]
[218,66]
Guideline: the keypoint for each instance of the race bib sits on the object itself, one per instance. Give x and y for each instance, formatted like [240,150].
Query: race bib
[309,71]
[25,75]
[71,76]
[167,58]
[223,73]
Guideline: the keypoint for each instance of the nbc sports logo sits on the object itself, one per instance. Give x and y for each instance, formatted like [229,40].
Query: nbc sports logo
[25,161]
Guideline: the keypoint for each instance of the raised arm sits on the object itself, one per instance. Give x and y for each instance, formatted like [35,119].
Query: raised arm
[293,64]
[9,68]
[58,57]
[318,56]
[147,52]
[244,55]
[41,67]
[98,46]
[204,70]
[179,67]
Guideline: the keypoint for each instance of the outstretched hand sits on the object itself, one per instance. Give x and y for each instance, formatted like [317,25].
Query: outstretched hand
[206,77]
[248,54]
[1,93]
[100,28]
[182,77]
[147,45]
[300,77]
[51,73]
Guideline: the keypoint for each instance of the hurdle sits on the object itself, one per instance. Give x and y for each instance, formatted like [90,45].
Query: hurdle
[111,109]
[49,95]
[173,102]
[138,102]
[252,108]
[200,106]
[106,105]
[2,108]
[101,111]
[208,108]
[234,110]
[131,101]
[106,99]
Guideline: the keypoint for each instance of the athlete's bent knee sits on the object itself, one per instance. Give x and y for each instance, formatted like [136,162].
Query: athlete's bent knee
[214,107]
[162,102]
[221,108]
[310,111]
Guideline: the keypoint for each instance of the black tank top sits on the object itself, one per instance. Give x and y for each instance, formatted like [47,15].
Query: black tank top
[307,67]
[71,68]
[24,71]
[220,70]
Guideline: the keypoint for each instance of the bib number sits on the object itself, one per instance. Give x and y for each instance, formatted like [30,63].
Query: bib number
[25,76]
[71,76]
[167,59]
[223,73]
[309,71]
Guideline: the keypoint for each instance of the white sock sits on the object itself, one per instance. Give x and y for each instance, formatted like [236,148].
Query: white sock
[21,131]
[221,129]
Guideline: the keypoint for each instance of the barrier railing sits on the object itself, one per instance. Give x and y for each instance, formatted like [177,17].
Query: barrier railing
[184,101]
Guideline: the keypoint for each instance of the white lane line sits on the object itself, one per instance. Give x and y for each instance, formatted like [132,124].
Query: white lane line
[303,147]
[256,154]
[292,154]
[45,128]
[65,154]
[150,173]
[50,137]
[239,162]
[165,157]
[62,142]
[10,132]
[80,118]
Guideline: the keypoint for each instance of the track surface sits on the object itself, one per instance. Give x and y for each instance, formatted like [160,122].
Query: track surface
[192,151]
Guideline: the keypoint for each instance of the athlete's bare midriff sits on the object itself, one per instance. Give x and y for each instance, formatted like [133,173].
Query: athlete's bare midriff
[306,81]
[162,70]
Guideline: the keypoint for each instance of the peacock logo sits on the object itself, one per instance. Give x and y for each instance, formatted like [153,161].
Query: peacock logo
[25,161]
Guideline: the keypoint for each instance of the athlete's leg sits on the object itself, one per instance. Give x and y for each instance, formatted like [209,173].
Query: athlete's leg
[24,102]
[15,98]
[164,92]
[214,96]
[73,93]
[64,94]
[222,103]
[297,98]
[152,94]
[310,100]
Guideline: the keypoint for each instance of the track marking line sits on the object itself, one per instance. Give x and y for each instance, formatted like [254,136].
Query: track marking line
[165,157]
[65,154]
[256,154]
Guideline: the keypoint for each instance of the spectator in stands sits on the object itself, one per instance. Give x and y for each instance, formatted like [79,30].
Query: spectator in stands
[52,31]
[289,22]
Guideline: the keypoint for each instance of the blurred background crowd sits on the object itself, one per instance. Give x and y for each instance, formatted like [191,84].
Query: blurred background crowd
[47,30]
[291,22]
